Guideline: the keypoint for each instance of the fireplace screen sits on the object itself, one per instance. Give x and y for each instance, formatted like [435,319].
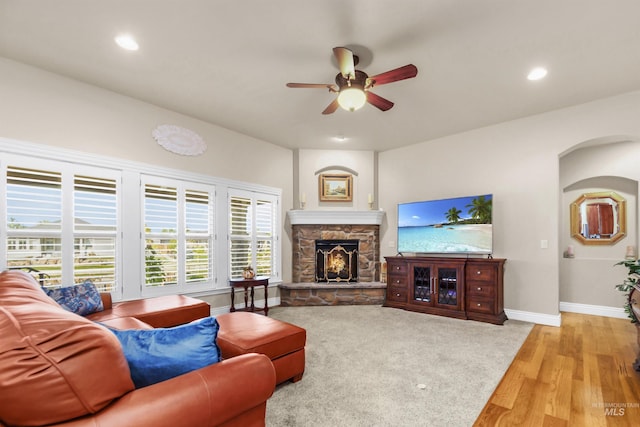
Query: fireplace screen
[336,260]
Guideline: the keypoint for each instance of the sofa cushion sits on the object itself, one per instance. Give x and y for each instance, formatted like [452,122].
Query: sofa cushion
[82,299]
[56,365]
[155,355]
[160,312]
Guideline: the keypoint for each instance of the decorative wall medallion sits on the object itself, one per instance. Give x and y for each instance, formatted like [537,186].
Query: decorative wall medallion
[179,140]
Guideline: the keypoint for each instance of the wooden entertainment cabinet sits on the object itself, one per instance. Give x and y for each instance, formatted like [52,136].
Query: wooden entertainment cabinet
[464,288]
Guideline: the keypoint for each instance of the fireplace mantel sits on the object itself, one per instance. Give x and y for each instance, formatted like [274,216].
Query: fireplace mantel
[300,217]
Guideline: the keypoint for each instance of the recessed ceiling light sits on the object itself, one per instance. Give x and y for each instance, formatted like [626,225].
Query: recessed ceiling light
[537,73]
[340,138]
[126,42]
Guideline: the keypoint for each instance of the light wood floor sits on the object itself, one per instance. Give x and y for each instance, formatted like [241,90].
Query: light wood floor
[579,374]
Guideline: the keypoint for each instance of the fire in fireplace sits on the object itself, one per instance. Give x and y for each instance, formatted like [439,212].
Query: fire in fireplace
[337,260]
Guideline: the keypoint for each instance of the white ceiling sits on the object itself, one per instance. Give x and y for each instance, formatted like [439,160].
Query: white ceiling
[227,62]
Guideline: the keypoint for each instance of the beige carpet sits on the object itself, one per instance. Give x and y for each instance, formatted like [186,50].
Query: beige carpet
[376,366]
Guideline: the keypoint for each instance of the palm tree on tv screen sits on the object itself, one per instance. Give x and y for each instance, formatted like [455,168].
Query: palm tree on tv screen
[480,210]
[453,214]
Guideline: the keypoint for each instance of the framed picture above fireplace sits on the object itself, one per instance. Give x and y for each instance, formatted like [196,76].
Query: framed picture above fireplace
[335,187]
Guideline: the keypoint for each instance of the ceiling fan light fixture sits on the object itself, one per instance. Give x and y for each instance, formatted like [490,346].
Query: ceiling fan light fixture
[352,98]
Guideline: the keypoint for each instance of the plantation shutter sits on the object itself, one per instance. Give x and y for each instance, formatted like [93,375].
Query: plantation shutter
[34,222]
[264,237]
[161,225]
[63,223]
[240,221]
[198,233]
[251,233]
[95,231]
[179,235]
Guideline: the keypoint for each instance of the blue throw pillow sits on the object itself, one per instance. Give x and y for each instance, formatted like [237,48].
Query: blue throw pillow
[155,355]
[81,299]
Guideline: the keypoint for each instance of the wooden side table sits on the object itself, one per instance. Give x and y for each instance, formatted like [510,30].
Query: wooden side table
[249,286]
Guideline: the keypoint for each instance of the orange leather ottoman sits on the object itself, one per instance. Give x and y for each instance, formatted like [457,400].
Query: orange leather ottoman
[245,332]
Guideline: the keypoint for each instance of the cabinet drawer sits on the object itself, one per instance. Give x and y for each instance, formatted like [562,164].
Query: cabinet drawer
[396,294]
[481,289]
[481,273]
[480,305]
[399,268]
[396,280]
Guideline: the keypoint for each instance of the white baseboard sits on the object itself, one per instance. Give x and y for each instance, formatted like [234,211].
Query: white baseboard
[596,310]
[570,307]
[531,317]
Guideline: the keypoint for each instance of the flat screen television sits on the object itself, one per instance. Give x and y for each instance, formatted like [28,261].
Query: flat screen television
[461,225]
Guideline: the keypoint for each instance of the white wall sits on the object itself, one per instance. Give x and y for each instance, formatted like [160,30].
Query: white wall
[518,162]
[40,107]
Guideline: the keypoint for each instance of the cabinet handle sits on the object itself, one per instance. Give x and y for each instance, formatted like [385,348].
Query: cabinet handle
[479,288]
[397,295]
[397,267]
[398,281]
[479,305]
[478,272]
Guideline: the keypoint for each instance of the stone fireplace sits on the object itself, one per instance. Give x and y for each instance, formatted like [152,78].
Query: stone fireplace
[308,227]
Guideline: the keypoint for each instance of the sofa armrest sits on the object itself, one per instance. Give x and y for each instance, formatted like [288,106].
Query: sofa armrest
[107,302]
[232,392]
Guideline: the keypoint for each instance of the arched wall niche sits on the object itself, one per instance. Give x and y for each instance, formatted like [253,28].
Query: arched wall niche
[589,276]
[310,164]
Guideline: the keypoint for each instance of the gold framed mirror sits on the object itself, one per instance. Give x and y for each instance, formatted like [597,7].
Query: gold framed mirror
[599,218]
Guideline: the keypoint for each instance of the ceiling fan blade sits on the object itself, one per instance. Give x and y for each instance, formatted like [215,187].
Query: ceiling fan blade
[402,73]
[331,108]
[332,88]
[378,101]
[345,62]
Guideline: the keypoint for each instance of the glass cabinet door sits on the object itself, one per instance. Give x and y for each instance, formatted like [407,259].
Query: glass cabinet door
[422,284]
[447,286]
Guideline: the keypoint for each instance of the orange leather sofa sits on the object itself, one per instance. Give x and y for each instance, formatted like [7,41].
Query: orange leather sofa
[58,368]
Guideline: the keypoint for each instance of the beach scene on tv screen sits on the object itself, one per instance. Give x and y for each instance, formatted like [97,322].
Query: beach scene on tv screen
[458,225]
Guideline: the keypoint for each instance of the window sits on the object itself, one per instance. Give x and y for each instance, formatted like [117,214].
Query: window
[34,221]
[178,236]
[134,230]
[95,220]
[252,234]
[63,245]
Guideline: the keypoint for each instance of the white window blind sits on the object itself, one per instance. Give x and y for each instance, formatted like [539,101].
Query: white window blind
[63,225]
[198,232]
[264,236]
[241,228]
[95,217]
[179,235]
[161,230]
[34,222]
[251,233]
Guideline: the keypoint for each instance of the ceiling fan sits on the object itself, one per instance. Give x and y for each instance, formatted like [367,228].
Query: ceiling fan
[353,86]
